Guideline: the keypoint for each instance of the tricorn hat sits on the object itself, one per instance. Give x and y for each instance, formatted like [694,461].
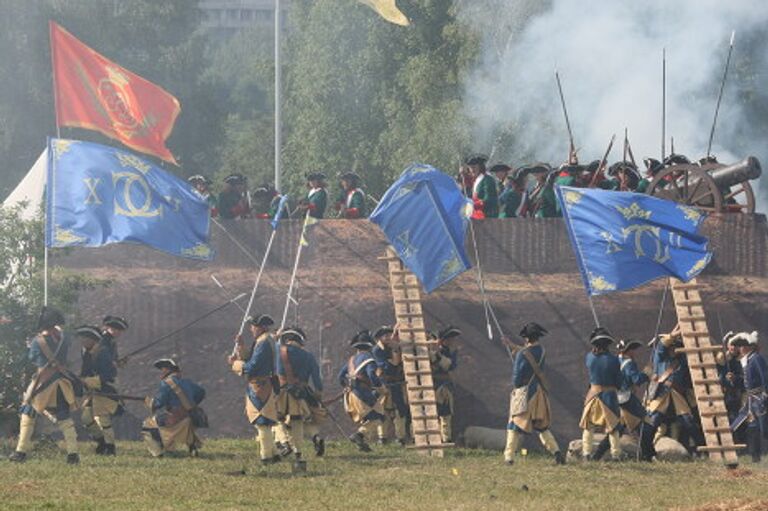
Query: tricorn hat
[166,363]
[627,345]
[316,176]
[500,167]
[235,179]
[533,330]
[115,322]
[199,178]
[350,176]
[448,332]
[601,337]
[676,159]
[262,320]
[89,331]
[476,159]
[362,340]
[653,166]
[294,333]
[382,331]
[49,318]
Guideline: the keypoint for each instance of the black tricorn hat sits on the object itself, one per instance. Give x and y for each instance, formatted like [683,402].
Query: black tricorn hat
[316,176]
[89,331]
[235,179]
[362,340]
[448,332]
[625,345]
[166,363]
[476,159]
[115,322]
[350,176]
[382,331]
[294,333]
[533,330]
[676,159]
[653,166]
[538,168]
[262,320]
[592,166]
[199,178]
[500,167]
[49,318]
[601,337]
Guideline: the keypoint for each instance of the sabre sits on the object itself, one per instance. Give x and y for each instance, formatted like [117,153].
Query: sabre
[181,329]
[720,95]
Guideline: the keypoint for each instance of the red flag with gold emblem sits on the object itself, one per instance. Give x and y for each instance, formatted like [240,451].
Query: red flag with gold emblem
[94,93]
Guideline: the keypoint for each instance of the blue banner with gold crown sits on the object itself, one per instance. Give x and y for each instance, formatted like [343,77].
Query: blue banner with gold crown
[623,240]
[98,195]
[425,216]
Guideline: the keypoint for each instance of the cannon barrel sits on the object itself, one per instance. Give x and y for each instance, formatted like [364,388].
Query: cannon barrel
[748,168]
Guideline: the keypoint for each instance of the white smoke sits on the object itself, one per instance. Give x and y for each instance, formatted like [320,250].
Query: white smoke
[609,56]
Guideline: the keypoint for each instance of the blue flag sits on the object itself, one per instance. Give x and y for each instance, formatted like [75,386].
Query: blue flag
[99,195]
[623,240]
[424,216]
[281,208]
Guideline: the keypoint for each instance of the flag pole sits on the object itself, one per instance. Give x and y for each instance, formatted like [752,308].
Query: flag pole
[278,83]
[288,296]
[58,135]
[256,282]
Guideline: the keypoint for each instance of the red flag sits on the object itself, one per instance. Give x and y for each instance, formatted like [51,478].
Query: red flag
[94,93]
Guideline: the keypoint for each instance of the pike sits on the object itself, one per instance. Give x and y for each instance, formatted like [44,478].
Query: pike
[181,329]
[601,167]
[565,114]
[663,103]
[720,95]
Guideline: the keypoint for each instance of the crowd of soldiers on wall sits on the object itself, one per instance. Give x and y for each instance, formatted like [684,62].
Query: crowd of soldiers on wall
[284,391]
[498,191]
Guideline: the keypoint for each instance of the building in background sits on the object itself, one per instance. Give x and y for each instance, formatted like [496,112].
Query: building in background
[233,15]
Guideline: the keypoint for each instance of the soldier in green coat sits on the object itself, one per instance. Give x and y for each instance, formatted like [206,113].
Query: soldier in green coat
[351,204]
[317,197]
[484,191]
[543,201]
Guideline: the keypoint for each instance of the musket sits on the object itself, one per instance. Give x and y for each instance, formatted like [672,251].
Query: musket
[601,167]
[720,95]
[631,155]
[181,329]
[572,150]
[119,396]
[663,103]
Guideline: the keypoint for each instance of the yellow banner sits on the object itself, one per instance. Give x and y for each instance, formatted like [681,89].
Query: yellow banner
[388,10]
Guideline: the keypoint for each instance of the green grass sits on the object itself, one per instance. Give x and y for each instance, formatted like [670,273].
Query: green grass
[228,476]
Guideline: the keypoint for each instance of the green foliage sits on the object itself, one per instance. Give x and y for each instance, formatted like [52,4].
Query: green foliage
[21,275]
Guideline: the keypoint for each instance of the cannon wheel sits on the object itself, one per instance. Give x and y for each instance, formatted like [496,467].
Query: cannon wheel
[743,198]
[688,184]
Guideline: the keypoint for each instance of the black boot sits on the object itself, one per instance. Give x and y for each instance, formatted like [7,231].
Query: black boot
[647,450]
[299,465]
[602,448]
[18,457]
[100,445]
[754,444]
[73,458]
[319,445]
[109,450]
[359,440]
[559,458]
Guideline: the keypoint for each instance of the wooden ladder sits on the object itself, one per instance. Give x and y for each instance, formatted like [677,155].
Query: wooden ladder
[701,353]
[425,424]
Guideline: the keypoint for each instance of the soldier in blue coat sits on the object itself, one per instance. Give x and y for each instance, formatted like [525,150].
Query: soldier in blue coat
[256,363]
[752,416]
[668,390]
[732,380]
[389,360]
[300,385]
[601,406]
[634,417]
[363,388]
[529,408]
[51,392]
[112,328]
[98,373]
[169,421]
[444,360]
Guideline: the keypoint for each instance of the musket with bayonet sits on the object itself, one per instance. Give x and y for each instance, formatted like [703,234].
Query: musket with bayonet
[572,150]
[720,95]
[601,168]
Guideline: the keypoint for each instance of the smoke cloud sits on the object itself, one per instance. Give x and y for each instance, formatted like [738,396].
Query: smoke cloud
[609,56]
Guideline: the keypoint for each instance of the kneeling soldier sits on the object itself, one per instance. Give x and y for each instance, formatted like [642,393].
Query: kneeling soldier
[295,367]
[257,364]
[529,407]
[634,416]
[98,375]
[50,392]
[444,360]
[389,360]
[170,420]
[601,406]
[362,391]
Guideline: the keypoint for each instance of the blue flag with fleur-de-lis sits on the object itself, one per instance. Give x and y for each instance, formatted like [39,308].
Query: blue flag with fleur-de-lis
[623,240]
[424,216]
[98,195]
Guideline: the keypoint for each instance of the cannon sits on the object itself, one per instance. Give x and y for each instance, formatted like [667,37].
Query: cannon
[710,186]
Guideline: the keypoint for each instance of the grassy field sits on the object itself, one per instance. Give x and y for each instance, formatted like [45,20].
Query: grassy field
[227,476]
